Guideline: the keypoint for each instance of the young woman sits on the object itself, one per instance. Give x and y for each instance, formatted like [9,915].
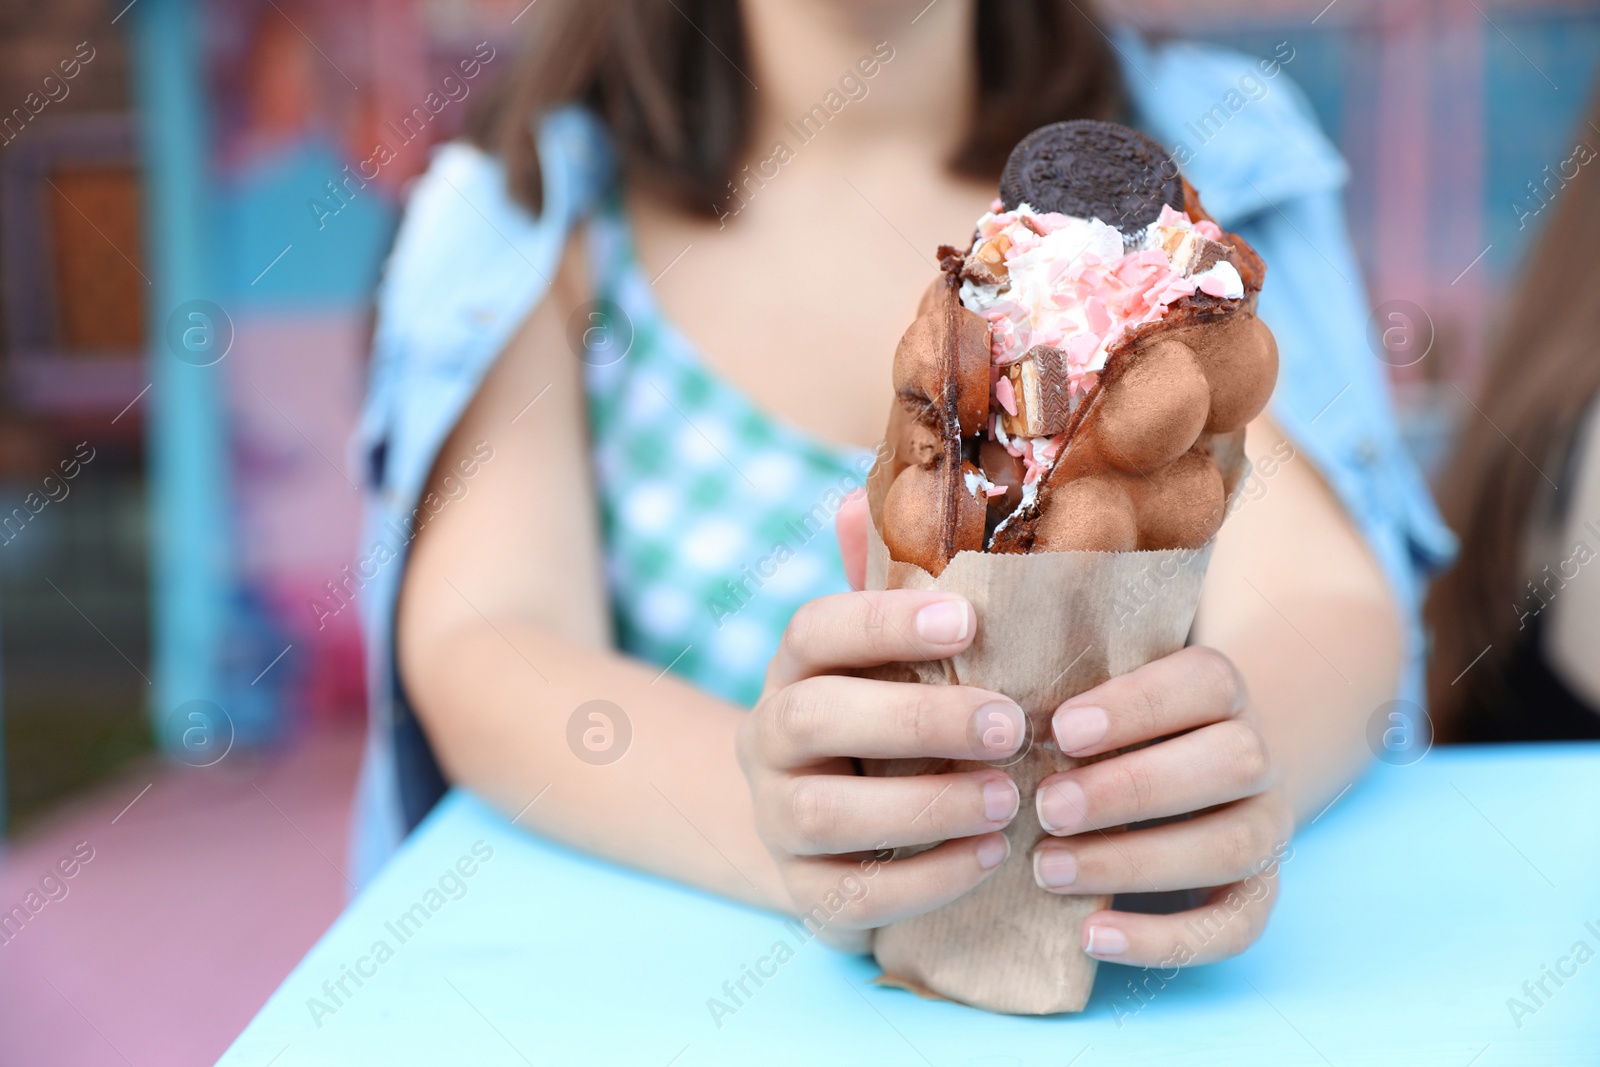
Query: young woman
[613,372]
[1517,621]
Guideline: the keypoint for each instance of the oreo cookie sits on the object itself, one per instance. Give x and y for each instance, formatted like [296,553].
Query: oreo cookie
[1092,170]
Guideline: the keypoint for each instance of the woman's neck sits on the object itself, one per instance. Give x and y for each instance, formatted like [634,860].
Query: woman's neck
[920,90]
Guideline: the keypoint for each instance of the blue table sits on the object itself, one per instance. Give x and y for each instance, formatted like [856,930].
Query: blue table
[1412,912]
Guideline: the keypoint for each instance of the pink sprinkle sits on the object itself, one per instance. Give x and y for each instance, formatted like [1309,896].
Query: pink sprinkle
[1212,285]
[1170,217]
[996,204]
[1094,312]
[1178,287]
[1136,272]
[996,490]
[1022,240]
[1006,395]
[1208,229]
[995,224]
[1051,221]
[1081,348]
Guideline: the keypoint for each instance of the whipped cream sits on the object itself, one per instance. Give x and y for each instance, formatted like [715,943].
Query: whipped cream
[1079,285]
[980,486]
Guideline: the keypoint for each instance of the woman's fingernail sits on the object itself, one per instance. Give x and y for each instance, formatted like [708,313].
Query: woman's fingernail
[992,851]
[944,622]
[1063,809]
[1105,941]
[1054,868]
[1000,799]
[998,728]
[1078,728]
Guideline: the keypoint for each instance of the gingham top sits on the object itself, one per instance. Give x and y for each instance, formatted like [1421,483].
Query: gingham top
[717,517]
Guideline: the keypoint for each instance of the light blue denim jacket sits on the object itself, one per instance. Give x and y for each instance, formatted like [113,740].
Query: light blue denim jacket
[446,308]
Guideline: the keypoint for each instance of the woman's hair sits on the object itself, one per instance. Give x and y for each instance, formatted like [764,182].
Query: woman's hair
[666,77]
[1543,376]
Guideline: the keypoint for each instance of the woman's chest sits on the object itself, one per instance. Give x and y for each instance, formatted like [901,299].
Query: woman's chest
[802,310]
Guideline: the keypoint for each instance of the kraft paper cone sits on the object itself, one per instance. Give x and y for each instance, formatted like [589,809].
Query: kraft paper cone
[1050,625]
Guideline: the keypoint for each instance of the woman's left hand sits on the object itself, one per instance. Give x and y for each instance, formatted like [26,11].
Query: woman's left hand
[1213,760]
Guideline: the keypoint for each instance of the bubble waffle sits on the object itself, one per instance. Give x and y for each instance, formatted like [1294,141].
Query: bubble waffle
[1079,378]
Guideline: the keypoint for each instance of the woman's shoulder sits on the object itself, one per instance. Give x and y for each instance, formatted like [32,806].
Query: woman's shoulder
[1237,125]
[467,244]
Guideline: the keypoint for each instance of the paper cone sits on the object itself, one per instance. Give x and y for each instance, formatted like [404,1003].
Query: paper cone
[1049,626]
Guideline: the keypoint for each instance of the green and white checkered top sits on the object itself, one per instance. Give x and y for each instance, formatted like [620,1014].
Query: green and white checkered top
[717,517]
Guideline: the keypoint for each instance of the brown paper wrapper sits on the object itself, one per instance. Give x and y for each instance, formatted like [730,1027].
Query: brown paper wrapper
[1049,626]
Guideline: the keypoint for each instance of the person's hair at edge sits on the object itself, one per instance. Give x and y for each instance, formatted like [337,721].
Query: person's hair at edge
[665,76]
[1542,376]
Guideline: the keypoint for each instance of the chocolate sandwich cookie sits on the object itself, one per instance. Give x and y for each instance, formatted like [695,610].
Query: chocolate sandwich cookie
[1092,170]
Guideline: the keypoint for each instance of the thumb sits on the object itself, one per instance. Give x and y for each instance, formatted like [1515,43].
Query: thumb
[850,524]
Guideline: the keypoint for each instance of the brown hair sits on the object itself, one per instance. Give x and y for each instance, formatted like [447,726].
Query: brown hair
[1542,377]
[665,75]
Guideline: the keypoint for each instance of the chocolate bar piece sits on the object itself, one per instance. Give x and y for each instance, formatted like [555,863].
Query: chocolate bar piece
[986,263]
[1043,397]
[1191,253]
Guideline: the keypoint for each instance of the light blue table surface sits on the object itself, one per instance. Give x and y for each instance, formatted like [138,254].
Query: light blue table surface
[1412,911]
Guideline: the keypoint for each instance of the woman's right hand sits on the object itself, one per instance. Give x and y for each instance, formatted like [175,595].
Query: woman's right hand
[825,823]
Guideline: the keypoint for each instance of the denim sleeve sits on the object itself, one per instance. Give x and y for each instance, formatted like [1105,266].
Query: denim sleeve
[1333,399]
[468,265]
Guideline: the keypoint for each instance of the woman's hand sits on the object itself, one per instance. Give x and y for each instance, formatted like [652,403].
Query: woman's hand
[824,823]
[1218,766]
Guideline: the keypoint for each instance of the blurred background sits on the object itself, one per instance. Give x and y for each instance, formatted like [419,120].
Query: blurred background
[192,219]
